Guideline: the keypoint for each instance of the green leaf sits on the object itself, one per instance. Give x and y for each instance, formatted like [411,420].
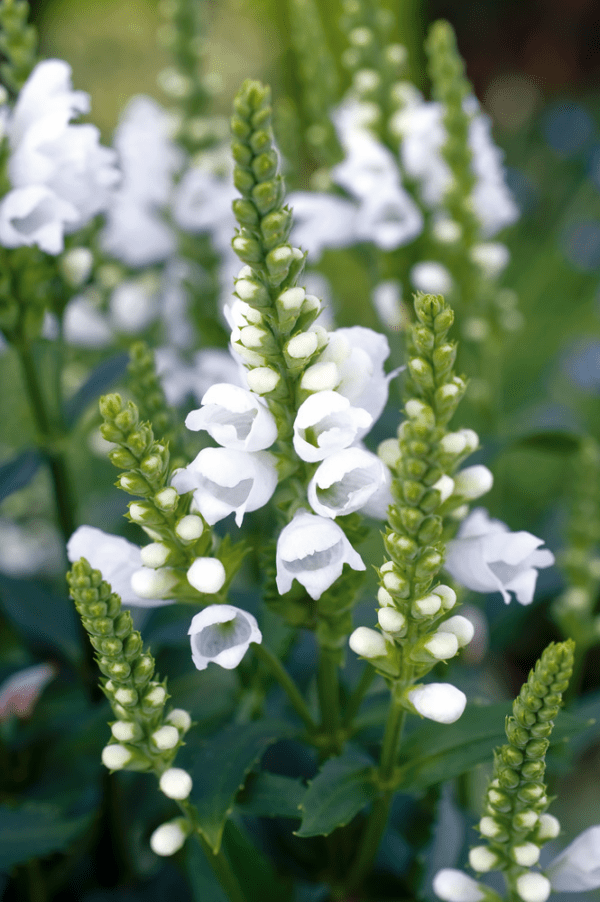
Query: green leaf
[341,789]
[101,379]
[220,765]
[202,880]
[271,795]
[15,474]
[555,441]
[436,752]
[32,829]
[253,869]
[45,619]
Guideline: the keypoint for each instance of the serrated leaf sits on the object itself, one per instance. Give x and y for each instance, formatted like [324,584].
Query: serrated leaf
[436,752]
[341,789]
[100,379]
[271,795]
[220,766]
[45,619]
[15,474]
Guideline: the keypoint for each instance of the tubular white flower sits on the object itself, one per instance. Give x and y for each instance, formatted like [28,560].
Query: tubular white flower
[152,585]
[534,887]
[175,783]
[441,702]
[117,559]
[473,482]
[326,423]
[222,633]
[486,557]
[235,417]
[322,220]
[367,643]
[225,480]
[207,574]
[456,886]
[313,550]
[344,482]
[577,868]
[169,838]
[35,215]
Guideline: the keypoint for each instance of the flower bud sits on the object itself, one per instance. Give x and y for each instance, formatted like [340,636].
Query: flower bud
[176,783]
[323,376]
[116,757]
[441,702]
[155,697]
[165,738]
[533,887]
[462,628]
[389,452]
[548,828]
[482,859]
[391,621]
[155,555]
[166,500]
[447,595]
[76,265]
[169,838]
[455,886]
[302,346]
[473,482]
[207,575]
[427,606]
[153,584]
[442,646]
[368,643]
[263,380]
[526,855]
[180,719]
[126,697]
[126,731]
[384,598]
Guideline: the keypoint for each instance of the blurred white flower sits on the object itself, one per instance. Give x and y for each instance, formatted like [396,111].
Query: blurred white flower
[20,691]
[313,550]
[85,325]
[235,418]
[180,379]
[387,300]
[345,481]
[202,202]
[222,633]
[431,277]
[487,557]
[224,480]
[389,220]
[325,423]
[134,305]
[456,886]
[117,559]
[35,215]
[441,702]
[321,221]
[577,868]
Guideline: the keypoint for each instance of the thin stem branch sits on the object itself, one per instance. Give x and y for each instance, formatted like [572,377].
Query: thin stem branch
[287,684]
[329,694]
[358,694]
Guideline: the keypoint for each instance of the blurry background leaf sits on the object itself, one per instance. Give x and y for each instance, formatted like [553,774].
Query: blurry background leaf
[46,620]
[272,795]
[97,384]
[15,474]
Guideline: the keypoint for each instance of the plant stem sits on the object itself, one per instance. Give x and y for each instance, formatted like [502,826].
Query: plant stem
[287,684]
[217,860]
[378,817]
[358,693]
[329,693]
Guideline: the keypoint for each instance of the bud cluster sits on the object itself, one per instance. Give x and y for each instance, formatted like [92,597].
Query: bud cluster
[149,396]
[143,738]
[515,824]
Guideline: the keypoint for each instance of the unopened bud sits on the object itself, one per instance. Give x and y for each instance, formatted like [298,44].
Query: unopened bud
[189,528]
[447,595]
[368,643]
[391,620]
[483,859]
[207,575]
[176,783]
[526,855]
[427,606]
[533,887]
[169,838]
[153,584]
[180,719]
[473,482]
[126,731]
[320,377]
[116,757]
[155,555]
[263,379]
[165,737]
[302,346]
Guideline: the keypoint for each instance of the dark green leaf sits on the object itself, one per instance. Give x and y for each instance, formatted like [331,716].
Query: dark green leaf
[220,765]
[15,474]
[45,619]
[202,880]
[253,869]
[271,795]
[340,790]
[437,752]
[558,441]
[101,379]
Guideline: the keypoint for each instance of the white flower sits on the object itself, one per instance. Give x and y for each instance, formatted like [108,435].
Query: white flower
[35,215]
[390,220]
[486,557]
[224,480]
[345,481]
[325,423]
[441,702]
[175,783]
[322,221]
[577,868]
[134,305]
[85,325]
[222,633]
[20,692]
[235,417]
[180,379]
[202,202]
[473,482]
[387,300]
[136,235]
[456,886]
[491,256]
[431,277]
[313,550]
[116,558]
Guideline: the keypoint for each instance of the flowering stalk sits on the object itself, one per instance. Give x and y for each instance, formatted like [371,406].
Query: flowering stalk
[18,43]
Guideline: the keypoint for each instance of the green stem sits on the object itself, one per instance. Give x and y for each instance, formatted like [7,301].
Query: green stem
[287,684]
[329,693]
[358,694]
[378,817]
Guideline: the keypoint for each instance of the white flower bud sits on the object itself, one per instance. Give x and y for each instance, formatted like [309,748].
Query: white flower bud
[391,620]
[368,643]
[489,827]
[453,443]
[126,697]
[447,595]
[384,598]
[155,697]
[189,528]
[176,783]
[169,838]
[322,376]
[291,300]
[471,438]
[533,887]
[548,827]
[446,231]
[462,628]
[165,738]
[125,731]
[427,606]
[418,410]
[441,702]
[155,555]
[262,380]
[302,346]
[76,265]
[115,757]
[389,452]
[445,486]
[442,645]
[149,583]
[526,855]
[207,575]
[252,337]
[166,500]
[392,581]
[526,819]
[482,859]
[473,482]
[455,886]
[180,719]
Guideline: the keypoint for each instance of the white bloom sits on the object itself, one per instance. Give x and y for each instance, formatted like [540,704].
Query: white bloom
[456,886]
[344,482]
[387,300]
[313,550]
[486,557]
[369,168]
[389,220]
[20,692]
[441,702]
[116,558]
[325,423]
[235,417]
[134,305]
[322,221]
[35,215]
[180,379]
[224,480]
[85,325]
[136,235]
[491,256]
[202,202]
[577,868]
[222,633]
[207,574]
[431,277]
[151,584]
